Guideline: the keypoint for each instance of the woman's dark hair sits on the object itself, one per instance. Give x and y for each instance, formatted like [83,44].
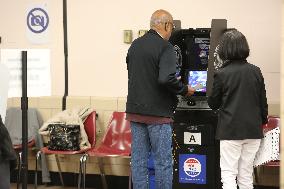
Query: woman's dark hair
[233,45]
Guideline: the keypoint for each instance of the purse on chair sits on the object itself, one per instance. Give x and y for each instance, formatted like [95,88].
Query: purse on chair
[64,137]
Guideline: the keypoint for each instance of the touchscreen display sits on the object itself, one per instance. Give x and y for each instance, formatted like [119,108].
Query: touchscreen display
[197,80]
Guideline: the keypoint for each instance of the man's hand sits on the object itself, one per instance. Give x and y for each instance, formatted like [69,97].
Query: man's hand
[190,91]
[199,86]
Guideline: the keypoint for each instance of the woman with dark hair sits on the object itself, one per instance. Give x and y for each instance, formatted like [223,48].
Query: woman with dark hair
[239,95]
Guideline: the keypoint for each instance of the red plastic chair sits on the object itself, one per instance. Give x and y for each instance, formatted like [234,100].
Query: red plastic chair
[90,128]
[116,143]
[18,149]
[273,122]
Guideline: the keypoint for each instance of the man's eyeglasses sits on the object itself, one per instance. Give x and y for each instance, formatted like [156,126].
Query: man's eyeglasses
[173,25]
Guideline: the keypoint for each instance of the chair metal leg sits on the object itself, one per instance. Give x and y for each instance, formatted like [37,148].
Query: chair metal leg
[130,177]
[255,174]
[82,171]
[19,169]
[38,156]
[101,166]
[59,169]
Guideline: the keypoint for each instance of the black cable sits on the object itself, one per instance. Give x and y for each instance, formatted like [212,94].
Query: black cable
[65,54]
[24,107]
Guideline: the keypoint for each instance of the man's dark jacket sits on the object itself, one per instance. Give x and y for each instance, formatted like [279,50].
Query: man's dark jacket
[239,94]
[152,84]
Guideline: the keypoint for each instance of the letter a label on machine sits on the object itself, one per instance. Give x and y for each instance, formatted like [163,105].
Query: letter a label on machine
[192,138]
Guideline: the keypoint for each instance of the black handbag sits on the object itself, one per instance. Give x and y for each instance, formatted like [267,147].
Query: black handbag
[64,137]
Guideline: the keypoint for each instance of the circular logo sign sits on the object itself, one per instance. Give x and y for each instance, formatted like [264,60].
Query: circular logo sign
[192,167]
[37,20]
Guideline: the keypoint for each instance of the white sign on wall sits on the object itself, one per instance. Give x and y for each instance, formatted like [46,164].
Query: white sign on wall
[38,71]
[4,83]
[37,24]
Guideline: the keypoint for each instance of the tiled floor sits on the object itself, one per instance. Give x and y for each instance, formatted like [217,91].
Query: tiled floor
[31,186]
[14,186]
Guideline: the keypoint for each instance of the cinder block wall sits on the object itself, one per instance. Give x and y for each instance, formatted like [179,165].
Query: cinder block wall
[104,106]
[49,106]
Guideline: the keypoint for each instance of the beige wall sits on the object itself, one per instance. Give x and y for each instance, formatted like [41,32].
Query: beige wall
[95,37]
[97,51]
[13,33]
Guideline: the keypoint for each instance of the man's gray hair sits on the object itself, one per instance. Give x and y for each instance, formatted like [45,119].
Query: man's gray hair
[155,21]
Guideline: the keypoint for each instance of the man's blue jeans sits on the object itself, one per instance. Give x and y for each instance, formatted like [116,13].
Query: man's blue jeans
[157,138]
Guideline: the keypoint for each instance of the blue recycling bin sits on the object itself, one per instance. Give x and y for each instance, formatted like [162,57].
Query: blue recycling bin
[151,170]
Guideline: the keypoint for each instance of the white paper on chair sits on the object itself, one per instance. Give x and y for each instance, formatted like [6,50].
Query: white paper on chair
[269,148]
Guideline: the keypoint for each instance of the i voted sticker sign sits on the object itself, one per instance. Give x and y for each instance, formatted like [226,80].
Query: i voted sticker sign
[192,168]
